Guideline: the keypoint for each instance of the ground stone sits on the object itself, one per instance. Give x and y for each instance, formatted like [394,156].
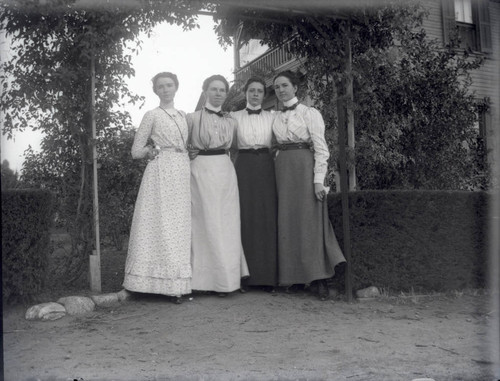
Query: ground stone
[369,292]
[45,311]
[105,300]
[76,305]
[123,295]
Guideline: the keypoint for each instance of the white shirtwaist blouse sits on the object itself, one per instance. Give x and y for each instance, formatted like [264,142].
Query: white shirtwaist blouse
[258,130]
[304,125]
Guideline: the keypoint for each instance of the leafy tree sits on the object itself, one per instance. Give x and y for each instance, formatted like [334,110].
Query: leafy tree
[10,179]
[46,85]
[416,119]
[414,116]
[119,180]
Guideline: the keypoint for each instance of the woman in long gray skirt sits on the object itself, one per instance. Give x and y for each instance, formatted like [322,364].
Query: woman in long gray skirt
[308,250]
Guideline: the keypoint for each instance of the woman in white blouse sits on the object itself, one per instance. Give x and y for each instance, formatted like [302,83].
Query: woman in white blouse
[257,187]
[307,247]
[159,250]
[217,254]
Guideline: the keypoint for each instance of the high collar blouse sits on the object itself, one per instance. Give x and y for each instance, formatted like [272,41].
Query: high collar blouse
[166,128]
[304,125]
[254,131]
[210,131]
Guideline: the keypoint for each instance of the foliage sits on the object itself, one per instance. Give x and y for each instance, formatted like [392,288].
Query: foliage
[119,180]
[119,177]
[47,86]
[10,179]
[415,119]
[418,239]
[414,116]
[26,220]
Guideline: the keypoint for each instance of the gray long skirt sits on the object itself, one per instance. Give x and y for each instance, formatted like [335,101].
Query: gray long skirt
[307,247]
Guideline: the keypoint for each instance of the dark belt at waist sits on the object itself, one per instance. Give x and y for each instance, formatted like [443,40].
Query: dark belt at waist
[254,151]
[210,152]
[284,147]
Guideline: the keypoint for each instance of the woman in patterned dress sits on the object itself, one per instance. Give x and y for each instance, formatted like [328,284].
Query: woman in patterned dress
[218,261]
[308,249]
[159,252]
[257,187]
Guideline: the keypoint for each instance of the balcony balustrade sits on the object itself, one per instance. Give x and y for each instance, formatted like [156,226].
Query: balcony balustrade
[266,65]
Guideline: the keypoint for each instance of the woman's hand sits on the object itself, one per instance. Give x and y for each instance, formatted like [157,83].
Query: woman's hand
[320,191]
[152,153]
[192,153]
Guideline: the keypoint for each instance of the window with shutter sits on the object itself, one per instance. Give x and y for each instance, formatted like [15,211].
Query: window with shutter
[467,20]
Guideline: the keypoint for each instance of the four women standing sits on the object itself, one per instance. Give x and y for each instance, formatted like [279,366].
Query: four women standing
[179,243]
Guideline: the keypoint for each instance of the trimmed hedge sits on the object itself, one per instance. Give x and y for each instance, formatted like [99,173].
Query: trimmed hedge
[415,240]
[27,216]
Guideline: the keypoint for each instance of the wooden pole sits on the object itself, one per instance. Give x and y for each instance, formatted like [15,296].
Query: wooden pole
[341,115]
[95,258]
[350,114]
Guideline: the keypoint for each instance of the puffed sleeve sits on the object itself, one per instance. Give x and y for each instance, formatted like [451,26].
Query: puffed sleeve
[316,126]
[234,142]
[189,121]
[139,148]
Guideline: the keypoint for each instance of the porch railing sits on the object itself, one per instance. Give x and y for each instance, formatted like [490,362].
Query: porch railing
[266,64]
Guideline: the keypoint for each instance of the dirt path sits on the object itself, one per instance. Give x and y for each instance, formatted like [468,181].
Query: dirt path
[258,336]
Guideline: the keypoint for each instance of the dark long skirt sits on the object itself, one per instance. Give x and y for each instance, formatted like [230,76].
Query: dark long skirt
[257,187]
[308,248]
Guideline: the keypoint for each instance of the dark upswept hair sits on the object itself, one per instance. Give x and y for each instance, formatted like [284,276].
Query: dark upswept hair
[292,76]
[215,77]
[165,74]
[252,80]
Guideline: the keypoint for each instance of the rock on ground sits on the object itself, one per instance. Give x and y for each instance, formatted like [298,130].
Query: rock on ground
[76,305]
[45,311]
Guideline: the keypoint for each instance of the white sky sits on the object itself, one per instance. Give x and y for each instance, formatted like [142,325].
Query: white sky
[192,56]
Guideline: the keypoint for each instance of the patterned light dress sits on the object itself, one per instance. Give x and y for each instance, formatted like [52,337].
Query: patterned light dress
[159,252]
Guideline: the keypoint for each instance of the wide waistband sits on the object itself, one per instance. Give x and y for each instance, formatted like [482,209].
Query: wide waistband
[210,152]
[288,146]
[254,151]
[173,149]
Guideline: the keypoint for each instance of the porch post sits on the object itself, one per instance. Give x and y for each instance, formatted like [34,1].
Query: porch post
[95,258]
[341,115]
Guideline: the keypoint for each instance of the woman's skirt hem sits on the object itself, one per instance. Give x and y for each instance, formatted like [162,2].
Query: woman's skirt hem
[149,285]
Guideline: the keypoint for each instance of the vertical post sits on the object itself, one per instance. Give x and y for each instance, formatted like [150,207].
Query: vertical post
[95,258]
[344,194]
[350,114]
[236,46]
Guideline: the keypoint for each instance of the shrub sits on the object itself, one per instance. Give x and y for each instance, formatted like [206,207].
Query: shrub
[26,219]
[420,240]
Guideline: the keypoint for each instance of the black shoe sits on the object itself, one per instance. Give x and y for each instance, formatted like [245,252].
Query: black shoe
[244,289]
[323,291]
[222,294]
[177,299]
[269,289]
[293,289]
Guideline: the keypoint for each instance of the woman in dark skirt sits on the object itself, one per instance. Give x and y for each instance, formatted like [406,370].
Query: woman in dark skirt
[256,184]
[308,249]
